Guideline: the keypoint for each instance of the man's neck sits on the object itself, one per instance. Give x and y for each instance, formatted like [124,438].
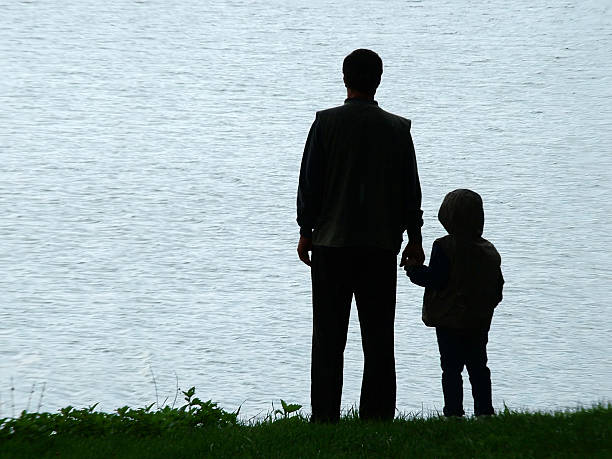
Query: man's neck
[354,94]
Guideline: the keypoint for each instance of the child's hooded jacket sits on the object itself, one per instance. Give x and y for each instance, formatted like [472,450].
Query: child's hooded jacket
[474,285]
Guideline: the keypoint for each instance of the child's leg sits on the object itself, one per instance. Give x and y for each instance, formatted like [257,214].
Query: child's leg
[451,360]
[480,375]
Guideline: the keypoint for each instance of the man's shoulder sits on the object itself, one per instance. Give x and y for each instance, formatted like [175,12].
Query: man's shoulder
[396,118]
[328,112]
[347,110]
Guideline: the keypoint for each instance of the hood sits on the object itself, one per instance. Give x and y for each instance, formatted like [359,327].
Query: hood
[462,214]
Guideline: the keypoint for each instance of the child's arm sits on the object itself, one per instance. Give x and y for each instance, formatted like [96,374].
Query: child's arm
[433,276]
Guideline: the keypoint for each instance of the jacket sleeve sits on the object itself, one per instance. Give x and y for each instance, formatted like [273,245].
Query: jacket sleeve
[310,189]
[500,285]
[434,276]
[414,214]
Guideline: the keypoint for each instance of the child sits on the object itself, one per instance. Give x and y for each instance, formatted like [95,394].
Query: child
[463,284]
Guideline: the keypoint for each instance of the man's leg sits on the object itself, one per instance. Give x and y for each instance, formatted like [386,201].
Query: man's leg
[375,274]
[451,361]
[480,375]
[331,300]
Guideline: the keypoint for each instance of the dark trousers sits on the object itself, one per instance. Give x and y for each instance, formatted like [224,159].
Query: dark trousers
[459,349]
[338,274]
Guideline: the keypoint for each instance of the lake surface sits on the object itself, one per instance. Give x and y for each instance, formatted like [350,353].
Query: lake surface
[149,155]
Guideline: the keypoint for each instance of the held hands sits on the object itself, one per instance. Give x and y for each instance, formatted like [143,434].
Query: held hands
[410,263]
[412,255]
[304,246]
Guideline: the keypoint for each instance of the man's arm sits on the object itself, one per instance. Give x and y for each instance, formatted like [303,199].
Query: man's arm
[414,214]
[310,190]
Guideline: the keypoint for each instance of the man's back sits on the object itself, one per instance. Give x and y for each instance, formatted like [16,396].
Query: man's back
[365,184]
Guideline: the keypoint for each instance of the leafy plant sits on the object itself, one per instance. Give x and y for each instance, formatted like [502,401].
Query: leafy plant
[287,409]
[206,413]
[140,422]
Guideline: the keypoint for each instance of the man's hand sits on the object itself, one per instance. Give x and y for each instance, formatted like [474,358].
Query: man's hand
[414,253]
[304,246]
[411,262]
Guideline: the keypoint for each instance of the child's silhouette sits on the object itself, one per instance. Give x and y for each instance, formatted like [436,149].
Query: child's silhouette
[463,284]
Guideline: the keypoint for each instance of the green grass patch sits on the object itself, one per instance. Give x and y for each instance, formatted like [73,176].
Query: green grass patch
[202,429]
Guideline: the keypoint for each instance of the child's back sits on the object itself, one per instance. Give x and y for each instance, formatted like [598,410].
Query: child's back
[475,281]
[463,284]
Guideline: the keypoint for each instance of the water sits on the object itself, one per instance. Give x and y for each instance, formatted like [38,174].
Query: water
[149,159]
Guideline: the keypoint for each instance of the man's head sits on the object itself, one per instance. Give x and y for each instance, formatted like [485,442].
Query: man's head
[362,71]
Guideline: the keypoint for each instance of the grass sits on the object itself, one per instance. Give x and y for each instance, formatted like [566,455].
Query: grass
[202,429]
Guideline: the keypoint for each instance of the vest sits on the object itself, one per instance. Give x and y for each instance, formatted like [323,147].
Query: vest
[372,191]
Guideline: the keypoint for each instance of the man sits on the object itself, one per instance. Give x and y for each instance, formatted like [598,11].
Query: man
[358,192]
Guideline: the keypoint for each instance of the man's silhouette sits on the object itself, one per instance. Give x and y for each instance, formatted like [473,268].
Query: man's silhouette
[358,192]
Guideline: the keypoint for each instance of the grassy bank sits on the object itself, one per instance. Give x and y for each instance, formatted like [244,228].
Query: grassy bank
[201,429]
